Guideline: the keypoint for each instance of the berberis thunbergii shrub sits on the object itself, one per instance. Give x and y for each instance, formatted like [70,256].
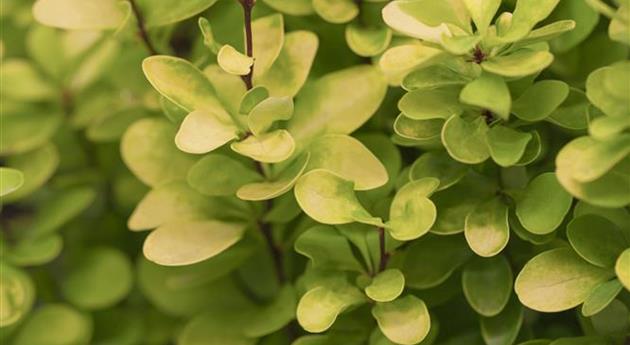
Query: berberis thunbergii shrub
[315,172]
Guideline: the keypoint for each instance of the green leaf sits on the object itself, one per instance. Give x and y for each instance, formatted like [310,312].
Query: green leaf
[596,239]
[267,41]
[543,205]
[418,129]
[482,12]
[404,321]
[506,145]
[330,199]
[460,45]
[400,60]
[100,279]
[37,166]
[386,286]
[606,88]
[272,147]
[221,325]
[424,20]
[488,92]
[163,12]
[273,316]
[465,140]
[35,252]
[487,230]
[10,180]
[277,185]
[433,77]
[600,297]
[520,63]
[252,98]
[183,84]
[599,158]
[585,21]
[148,150]
[502,329]
[55,324]
[113,126]
[79,14]
[540,100]
[319,307]
[22,132]
[208,36]
[455,203]
[332,151]
[338,103]
[289,71]
[612,321]
[577,158]
[431,104]
[607,127]
[291,7]
[172,111]
[189,290]
[268,111]
[411,213]
[526,15]
[487,284]
[367,41]
[217,175]
[621,268]
[169,202]
[233,61]
[61,208]
[547,32]
[229,89]
[336,11]
[430,260]
[26,82]
[439,165]
[557,280]
[183,242]
[204,131]
[327,248]
[18,294]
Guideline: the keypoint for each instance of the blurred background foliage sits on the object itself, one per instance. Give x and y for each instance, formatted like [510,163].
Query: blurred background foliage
[72,273]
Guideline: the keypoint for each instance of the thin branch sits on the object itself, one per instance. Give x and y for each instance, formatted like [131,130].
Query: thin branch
[248,5]
[142,30]
[384,254]
[265,228]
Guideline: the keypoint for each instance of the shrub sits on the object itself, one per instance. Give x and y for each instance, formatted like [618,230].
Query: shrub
[310,172]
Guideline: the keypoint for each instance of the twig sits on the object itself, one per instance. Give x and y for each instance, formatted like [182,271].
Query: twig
[249,42]
[384,254]
[142,30]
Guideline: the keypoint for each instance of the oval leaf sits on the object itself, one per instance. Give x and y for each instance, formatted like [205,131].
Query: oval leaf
[386,286]
[181,243]
[487,284]
[404,321]
[332,151]
[557,280]
[412,214]
[330,199]
[544,204]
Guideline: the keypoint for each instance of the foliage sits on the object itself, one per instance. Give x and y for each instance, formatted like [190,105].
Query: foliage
[300,172]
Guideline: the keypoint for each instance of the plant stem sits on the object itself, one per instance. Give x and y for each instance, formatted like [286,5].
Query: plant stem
[265,228]
[142,30]
[384,253]
[248,5]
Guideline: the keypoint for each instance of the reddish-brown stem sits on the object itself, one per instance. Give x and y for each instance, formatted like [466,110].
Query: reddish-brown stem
[142,30]
[384,254]
[248,5]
